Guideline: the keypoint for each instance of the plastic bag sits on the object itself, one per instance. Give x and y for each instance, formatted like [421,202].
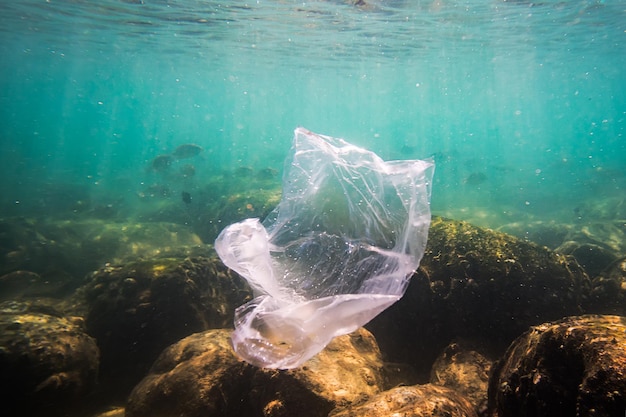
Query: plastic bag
[339,249]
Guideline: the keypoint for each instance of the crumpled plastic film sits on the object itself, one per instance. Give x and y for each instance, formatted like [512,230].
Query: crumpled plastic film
[339,248]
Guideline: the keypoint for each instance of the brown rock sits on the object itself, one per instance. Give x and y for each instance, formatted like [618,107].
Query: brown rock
[18,284]
[111,412]
[480,284]
[608,294]
[593,257]
[200,376]
[46,363]
[62,252]
[414,401]
[464,370]
[572,367]
[137,310]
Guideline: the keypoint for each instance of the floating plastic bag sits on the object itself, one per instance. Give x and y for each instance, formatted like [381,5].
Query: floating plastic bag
[339,249]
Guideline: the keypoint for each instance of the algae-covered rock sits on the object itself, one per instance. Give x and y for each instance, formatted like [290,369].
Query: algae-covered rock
[19,284]
[412,401]
[465,370]
[594,242]
[608,294]
[113,411]
[200,376]
[48,364]
[480,284]
[136,310]
[220,200]
[62,252]
[594,258]
[572,367]
[235,207]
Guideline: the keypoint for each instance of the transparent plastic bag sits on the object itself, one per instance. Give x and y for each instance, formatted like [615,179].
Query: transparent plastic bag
[339,249]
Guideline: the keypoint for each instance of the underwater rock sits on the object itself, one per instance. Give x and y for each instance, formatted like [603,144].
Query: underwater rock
[397,373]
[608,293]
[412,401]
[113,411]
[235,207]
[464,370]
[136,310]
[479,284]
[572,367]
[605,209]
[48,306]
[594,258]
[26,246]
[48,364]
[18,284]
[544,233]
[595,244]
[219,201]
[62,252]
[200,376]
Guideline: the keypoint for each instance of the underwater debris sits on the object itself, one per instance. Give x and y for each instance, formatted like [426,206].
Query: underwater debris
[188,150]
[480,284]
[186,197]
[349,231]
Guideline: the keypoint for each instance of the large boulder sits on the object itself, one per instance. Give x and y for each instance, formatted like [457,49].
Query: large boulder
[137,310]
[63,251]
[48,364]
[463,368]
[412,401]
[201,377]
[572,367]
[608,294]
[479,284]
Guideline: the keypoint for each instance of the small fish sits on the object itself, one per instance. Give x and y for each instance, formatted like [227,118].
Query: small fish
[161,163]
[186,197]
[188,150]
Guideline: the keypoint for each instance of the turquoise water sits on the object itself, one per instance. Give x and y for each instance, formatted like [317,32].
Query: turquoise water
[522,105]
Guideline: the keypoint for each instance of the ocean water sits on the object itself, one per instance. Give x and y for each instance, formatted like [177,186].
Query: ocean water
[521,104]
[104,105]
